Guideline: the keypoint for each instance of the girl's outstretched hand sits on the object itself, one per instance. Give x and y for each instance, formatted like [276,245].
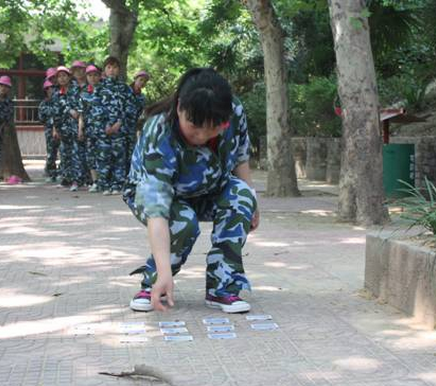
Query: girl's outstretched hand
[255,220]
[164,286]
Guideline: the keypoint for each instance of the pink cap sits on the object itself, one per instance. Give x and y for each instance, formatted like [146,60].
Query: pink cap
[92,68]
[5,80]
[47,84]
[50,72]
[64,69]
[78,63]
[141,73]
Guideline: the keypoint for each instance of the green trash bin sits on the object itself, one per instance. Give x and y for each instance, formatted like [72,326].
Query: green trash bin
[398,164]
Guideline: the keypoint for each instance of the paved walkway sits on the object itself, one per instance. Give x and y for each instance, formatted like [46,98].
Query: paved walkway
[64,264]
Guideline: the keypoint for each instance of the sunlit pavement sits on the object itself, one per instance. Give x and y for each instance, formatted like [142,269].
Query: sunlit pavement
[65,289]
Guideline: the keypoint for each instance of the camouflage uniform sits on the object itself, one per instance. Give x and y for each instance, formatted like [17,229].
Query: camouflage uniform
[117,102]
[6,115]
[67,128]
[85,175]
[97,141]
[137,104]
[45,115]
[185,185]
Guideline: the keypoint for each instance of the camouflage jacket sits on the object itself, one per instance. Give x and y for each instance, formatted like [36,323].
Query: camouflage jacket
[139,102]
[93,107]
[119,102]
[45,113]
[6,111]
[164,166]
[62,102]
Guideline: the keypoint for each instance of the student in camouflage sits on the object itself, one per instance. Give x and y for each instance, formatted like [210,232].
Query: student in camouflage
[118,103]
[65,106]
[139,81]
[45,115]
[191,165]
[79,84]
[92,125]
[6,108]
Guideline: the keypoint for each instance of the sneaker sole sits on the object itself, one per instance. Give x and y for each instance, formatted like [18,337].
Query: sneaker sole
[140,307]
[234,309]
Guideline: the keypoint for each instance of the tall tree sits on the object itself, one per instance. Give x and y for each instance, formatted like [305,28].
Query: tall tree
[11,163]
[122,23]
[361,193]
[282,179]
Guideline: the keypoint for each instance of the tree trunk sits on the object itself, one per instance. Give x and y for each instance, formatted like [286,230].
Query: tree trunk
[361,193]
[11,161]
[282,178]
[122,25]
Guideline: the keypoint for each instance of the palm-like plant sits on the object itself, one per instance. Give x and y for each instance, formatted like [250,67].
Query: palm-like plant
[420,207]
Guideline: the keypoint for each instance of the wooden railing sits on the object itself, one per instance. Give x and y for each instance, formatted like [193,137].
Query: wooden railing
[26,112]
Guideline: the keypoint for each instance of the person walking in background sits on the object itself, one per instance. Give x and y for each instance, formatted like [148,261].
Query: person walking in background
[92,125]
[139,81]
[45,114]
[79,84]
[119,104]
[65,119]
[78,71]
[50,75]
[191,165]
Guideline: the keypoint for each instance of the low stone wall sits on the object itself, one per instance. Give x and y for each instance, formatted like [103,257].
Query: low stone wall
[320,158]
[316,159]
[403,275]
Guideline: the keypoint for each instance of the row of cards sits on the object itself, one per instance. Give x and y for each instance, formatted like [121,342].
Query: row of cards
[217,328]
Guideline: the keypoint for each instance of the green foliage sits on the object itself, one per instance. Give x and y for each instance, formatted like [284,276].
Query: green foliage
[166,43]
[311,109]
[420,208]
[405,90]
[254,103]
[34,26]
[312,112]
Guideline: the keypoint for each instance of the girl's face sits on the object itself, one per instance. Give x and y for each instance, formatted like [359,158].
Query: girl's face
[140,82]
[49,91]
[63,78]
[93,78]
[4,90]
[79,73]
[112,70]
[197,136]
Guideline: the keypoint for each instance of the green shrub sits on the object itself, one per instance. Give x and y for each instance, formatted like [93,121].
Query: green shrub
[420,208]
[405,89]
[311,109]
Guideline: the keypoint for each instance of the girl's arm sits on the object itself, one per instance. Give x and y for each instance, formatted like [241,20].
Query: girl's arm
[81,126]
[243,172]
[159,236]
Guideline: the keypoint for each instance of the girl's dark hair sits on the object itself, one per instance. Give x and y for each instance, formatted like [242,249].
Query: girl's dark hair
[203,94]
[112,60]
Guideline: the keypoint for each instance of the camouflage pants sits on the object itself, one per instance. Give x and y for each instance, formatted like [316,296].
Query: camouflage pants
[231,212]
[91,151]
[52,147]
[84,169]
[115,153]
[131,140]
[70,160]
